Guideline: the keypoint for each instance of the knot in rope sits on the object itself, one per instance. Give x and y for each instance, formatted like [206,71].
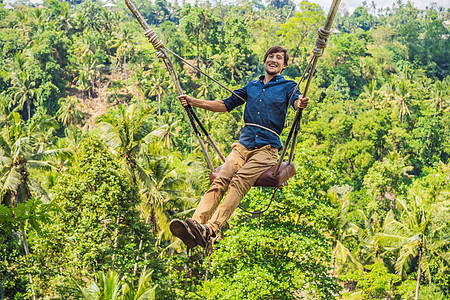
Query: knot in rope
[321,41]
[159,45]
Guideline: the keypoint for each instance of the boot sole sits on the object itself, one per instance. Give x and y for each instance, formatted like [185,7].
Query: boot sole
[198,235]
[181,231]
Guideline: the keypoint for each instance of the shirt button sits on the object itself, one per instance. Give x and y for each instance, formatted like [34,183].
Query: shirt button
[264,90]
[256,135]
[260,100]
[258,112]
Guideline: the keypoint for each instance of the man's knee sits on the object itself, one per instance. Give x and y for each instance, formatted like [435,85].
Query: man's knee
[240,184]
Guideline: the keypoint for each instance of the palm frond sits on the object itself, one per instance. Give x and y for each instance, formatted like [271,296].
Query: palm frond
[37,189]
[11,180]
[4,146]
[53,154]
[39,165]
[404,259]
[110,135]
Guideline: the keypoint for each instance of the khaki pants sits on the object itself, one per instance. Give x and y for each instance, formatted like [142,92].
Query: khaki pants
[237,175]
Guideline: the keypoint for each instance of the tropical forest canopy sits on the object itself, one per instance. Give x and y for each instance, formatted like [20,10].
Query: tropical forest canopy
[97,155]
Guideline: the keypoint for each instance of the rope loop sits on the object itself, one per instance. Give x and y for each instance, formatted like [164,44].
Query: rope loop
[157,44]
[321,41]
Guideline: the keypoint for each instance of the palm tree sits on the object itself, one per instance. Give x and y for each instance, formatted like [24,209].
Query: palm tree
[124,43]
[22,15]
[21,151]
[64,17]
[158,84]
[39,19]
[23,90]
[415,240]
[440,96]
[110,287]
[401,96]
[368,234]
[371,93]
[87,44]
[73,138]
[169,131]
[388,90]
[164,191]
[68,112]
[18,157]
[87,73]
[125,133]
[339,231]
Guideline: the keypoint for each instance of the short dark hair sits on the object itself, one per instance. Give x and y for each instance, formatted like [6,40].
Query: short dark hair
[276,49]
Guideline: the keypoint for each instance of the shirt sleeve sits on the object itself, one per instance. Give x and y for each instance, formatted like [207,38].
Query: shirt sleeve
[292,86]
[233,101]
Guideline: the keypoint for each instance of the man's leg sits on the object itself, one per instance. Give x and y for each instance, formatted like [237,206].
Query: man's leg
[257,162]
[214,195]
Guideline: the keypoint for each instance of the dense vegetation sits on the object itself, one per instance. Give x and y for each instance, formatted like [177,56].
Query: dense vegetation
[97,156]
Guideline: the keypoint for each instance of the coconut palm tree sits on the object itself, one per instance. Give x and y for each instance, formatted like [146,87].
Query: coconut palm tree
[23,90]
[368,234]
[125,133]
[169,131]
[401,96]
[440,96]
[110,287]
[20,152]
[158,83]
[164,192]
[123,41]
[68,112]
[388,90]
[371,93]
[339,231]
[416,241]
[18,156]
[88,73]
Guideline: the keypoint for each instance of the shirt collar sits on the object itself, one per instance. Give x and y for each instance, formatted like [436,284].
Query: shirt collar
[275,78]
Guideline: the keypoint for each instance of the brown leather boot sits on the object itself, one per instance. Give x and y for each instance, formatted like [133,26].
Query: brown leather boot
[200,231]
[181,230]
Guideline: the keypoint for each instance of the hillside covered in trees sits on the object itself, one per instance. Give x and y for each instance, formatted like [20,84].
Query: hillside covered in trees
[97,155]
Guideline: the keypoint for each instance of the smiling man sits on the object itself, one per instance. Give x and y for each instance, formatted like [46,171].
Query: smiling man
[267,101]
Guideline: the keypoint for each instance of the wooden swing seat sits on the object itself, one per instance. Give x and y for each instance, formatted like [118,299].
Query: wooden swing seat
[267,179]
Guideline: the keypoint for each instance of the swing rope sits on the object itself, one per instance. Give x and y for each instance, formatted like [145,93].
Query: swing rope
[161,52]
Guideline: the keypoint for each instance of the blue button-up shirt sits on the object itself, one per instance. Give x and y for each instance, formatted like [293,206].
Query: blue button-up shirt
[267,105]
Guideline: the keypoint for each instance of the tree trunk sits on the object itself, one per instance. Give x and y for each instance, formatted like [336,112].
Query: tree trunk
[334,259]
[116,237]
[159,105]
[29,109]
[99,82]
[198,53]
[419,275]
[125,68]
[24,235]
[137,256]
[27,253]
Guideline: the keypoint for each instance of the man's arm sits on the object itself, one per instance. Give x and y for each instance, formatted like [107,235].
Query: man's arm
[215,106]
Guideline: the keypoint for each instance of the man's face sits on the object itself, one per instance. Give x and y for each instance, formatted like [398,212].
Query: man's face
[274,63]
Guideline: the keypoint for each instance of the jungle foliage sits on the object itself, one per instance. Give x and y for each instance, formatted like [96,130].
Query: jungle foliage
[97,155]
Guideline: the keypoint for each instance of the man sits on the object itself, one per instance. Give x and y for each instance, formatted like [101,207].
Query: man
[264,115]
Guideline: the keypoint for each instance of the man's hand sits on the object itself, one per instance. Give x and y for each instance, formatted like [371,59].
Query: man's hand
[185,100]
[301,102]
